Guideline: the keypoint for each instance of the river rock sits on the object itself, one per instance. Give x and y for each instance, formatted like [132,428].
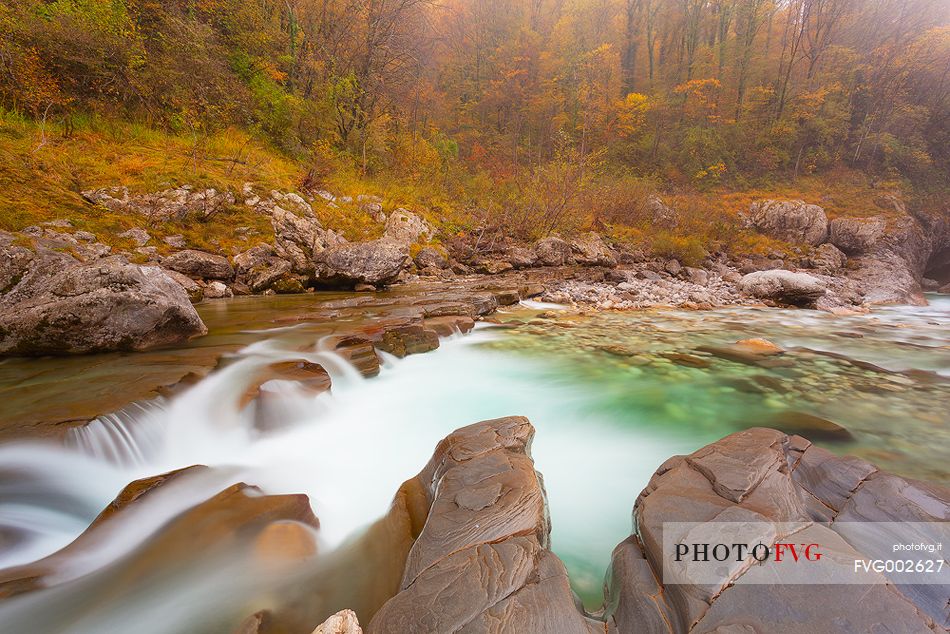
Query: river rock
[891,271]
[343,622]
[482,559]
[62,306]
[492,266]
[138,491]
[217,290]
[763,475]
[779,285]
[259,267]
[360,352]
[700,277]
[15,262]
[790,220]
[814,427]
[759,346]
[855,236]
[756,352]
[81,244]
[591,250]
[378,262]
[552,251]
[199,264]
[404,339]
[450,324]
[406,228]
[290,285]
[223,522]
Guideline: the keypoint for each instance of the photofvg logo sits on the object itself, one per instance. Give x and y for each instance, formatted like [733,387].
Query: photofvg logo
[721,553]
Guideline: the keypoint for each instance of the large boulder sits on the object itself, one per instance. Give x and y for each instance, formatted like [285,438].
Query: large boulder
[482,560]
[855,236]
[199,264]
[54,304]
[378,262]
[891,271]
[591,250]
[552,251]
[763,483]
[786,287]
[405,227]
[790,220]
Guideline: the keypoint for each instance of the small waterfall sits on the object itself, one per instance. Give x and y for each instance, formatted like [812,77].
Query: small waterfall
[130,436]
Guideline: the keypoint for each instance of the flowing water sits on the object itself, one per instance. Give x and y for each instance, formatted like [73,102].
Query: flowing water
[612,395]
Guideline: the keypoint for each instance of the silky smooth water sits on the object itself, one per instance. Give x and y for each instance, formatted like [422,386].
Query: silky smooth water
[608,403]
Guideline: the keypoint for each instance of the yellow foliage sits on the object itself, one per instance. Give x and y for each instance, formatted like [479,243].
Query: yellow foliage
[631,114]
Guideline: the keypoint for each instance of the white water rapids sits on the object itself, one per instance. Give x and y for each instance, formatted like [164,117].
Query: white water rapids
[351,448]
[347,450]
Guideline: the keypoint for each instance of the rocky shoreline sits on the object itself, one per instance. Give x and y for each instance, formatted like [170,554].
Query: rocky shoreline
[466,545]
[64,292]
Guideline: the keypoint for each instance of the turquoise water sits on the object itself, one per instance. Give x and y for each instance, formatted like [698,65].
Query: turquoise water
[608,394]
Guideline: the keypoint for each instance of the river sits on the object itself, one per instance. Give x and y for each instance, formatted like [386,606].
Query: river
[612,395]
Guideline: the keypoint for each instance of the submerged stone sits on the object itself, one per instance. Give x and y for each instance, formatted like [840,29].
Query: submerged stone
[810,426]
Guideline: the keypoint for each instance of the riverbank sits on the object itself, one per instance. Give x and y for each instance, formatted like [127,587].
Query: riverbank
[66,292]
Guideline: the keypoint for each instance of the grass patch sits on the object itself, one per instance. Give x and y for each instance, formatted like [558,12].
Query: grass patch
[43,169]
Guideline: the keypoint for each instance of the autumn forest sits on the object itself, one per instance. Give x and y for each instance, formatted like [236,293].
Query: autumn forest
[512,107]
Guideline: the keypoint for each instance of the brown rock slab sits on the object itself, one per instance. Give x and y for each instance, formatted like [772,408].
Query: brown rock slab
[481,562]
[360,352]
[449,325]
[765,474]
[309,376]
